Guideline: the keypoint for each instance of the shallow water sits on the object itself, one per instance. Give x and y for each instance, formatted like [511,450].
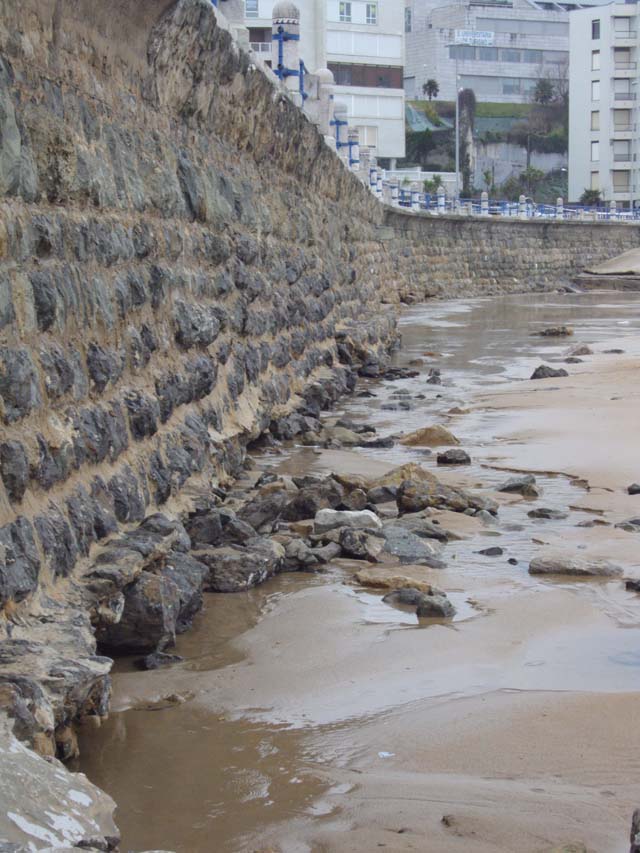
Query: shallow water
[254,741]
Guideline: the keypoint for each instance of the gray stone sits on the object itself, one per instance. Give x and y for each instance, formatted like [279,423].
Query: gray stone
[634,489]
[235,568]
[573,566]
[19,561]
[382,494]
[156,660]
[544,371]
[188,574]
[19,387]
[453,456]
[524,484]
[494,551]
[195,325]
[149,618]
[309,501]
[329,519]
[422,527]
[360,544]
[264,510]
[407,547]
[547,512]
[435,607]
[14,469]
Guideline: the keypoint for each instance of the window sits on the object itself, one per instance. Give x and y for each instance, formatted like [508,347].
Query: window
[622,89]
[622,57]
[595,90]
[622,150]
[371,76]
[620,181]
[595,180]
[595,60]
[595,29]
[622,26]
[595,152]
[508,55]
[622,119]
[251,8]
[345,13]
[488,54]
[368,136]
[372,13]
[407,20]
[595,120]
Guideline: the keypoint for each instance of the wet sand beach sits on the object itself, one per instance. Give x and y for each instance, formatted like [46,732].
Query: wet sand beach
[308,715]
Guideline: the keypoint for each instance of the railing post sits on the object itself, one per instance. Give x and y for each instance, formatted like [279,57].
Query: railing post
[613,212]
[415,196]
[353,141]
[522,207]
[559,208]
[484,203]
[395,192]
[441,201]
[379,186]
[285,50]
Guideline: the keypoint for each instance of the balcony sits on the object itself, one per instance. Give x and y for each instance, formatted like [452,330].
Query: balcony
[625,66]
[261,46]
[624,35]
[623,128]
[624,96]
[622,158]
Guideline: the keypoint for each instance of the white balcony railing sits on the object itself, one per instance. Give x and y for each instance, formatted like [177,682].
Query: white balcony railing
[261,46]
[624,96]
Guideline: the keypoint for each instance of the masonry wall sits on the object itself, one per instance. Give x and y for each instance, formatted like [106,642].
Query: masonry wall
[457,256]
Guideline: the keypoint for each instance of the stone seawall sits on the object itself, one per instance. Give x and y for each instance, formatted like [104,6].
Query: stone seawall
[181,256]
[183,264]
[456,256]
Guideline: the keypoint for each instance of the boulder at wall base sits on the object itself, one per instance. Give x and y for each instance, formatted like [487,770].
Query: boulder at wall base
[546,372]
[236,568]
[360,544]
[329,519]
[263,510]
[149,618]
[39,798]
[310,500]
[433,436]
[573,566]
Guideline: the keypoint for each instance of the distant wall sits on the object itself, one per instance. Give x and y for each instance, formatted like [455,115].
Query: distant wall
[456,256]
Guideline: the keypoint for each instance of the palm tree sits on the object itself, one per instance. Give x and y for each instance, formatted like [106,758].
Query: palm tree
[431,89]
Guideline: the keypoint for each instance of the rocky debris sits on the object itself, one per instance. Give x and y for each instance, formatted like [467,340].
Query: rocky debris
[555,332]
[414,496]
[573,566]
[544,371]
[360,544]
[307,502]
[407,547]
[580,349]
[455,456]
[634,489]
[381,494]
[572,359]
[44,806]
[423,527]
[431,605]
[630,525]
[494,551]
[389,577]
[433,436]
[328,519]
[632,584]
[264,509]
[237,568]
[635,832]
[593,522]
[547,512]
[614,351]
[354,501]
[156,660]
[524,485]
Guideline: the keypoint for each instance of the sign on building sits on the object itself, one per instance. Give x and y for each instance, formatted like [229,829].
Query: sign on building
[481,37]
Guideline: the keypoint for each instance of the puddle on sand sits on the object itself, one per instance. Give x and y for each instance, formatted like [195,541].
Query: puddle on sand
[193,779]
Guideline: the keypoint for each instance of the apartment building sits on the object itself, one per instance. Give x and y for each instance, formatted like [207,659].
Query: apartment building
[518,42]
[362,43]
[603,137]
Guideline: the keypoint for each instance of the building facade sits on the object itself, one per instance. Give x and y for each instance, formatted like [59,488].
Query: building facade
[362,43]
[603,137]
[524,41]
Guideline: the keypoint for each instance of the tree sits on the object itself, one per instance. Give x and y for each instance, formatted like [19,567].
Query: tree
[467,111]
[592,198]
[419,144]
[544,92]
[430,89]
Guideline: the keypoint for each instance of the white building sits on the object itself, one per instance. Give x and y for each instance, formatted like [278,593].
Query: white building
[603,137]
[526,40]
[362,43]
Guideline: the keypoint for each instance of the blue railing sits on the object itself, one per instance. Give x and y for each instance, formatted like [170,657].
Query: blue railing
[501,207]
